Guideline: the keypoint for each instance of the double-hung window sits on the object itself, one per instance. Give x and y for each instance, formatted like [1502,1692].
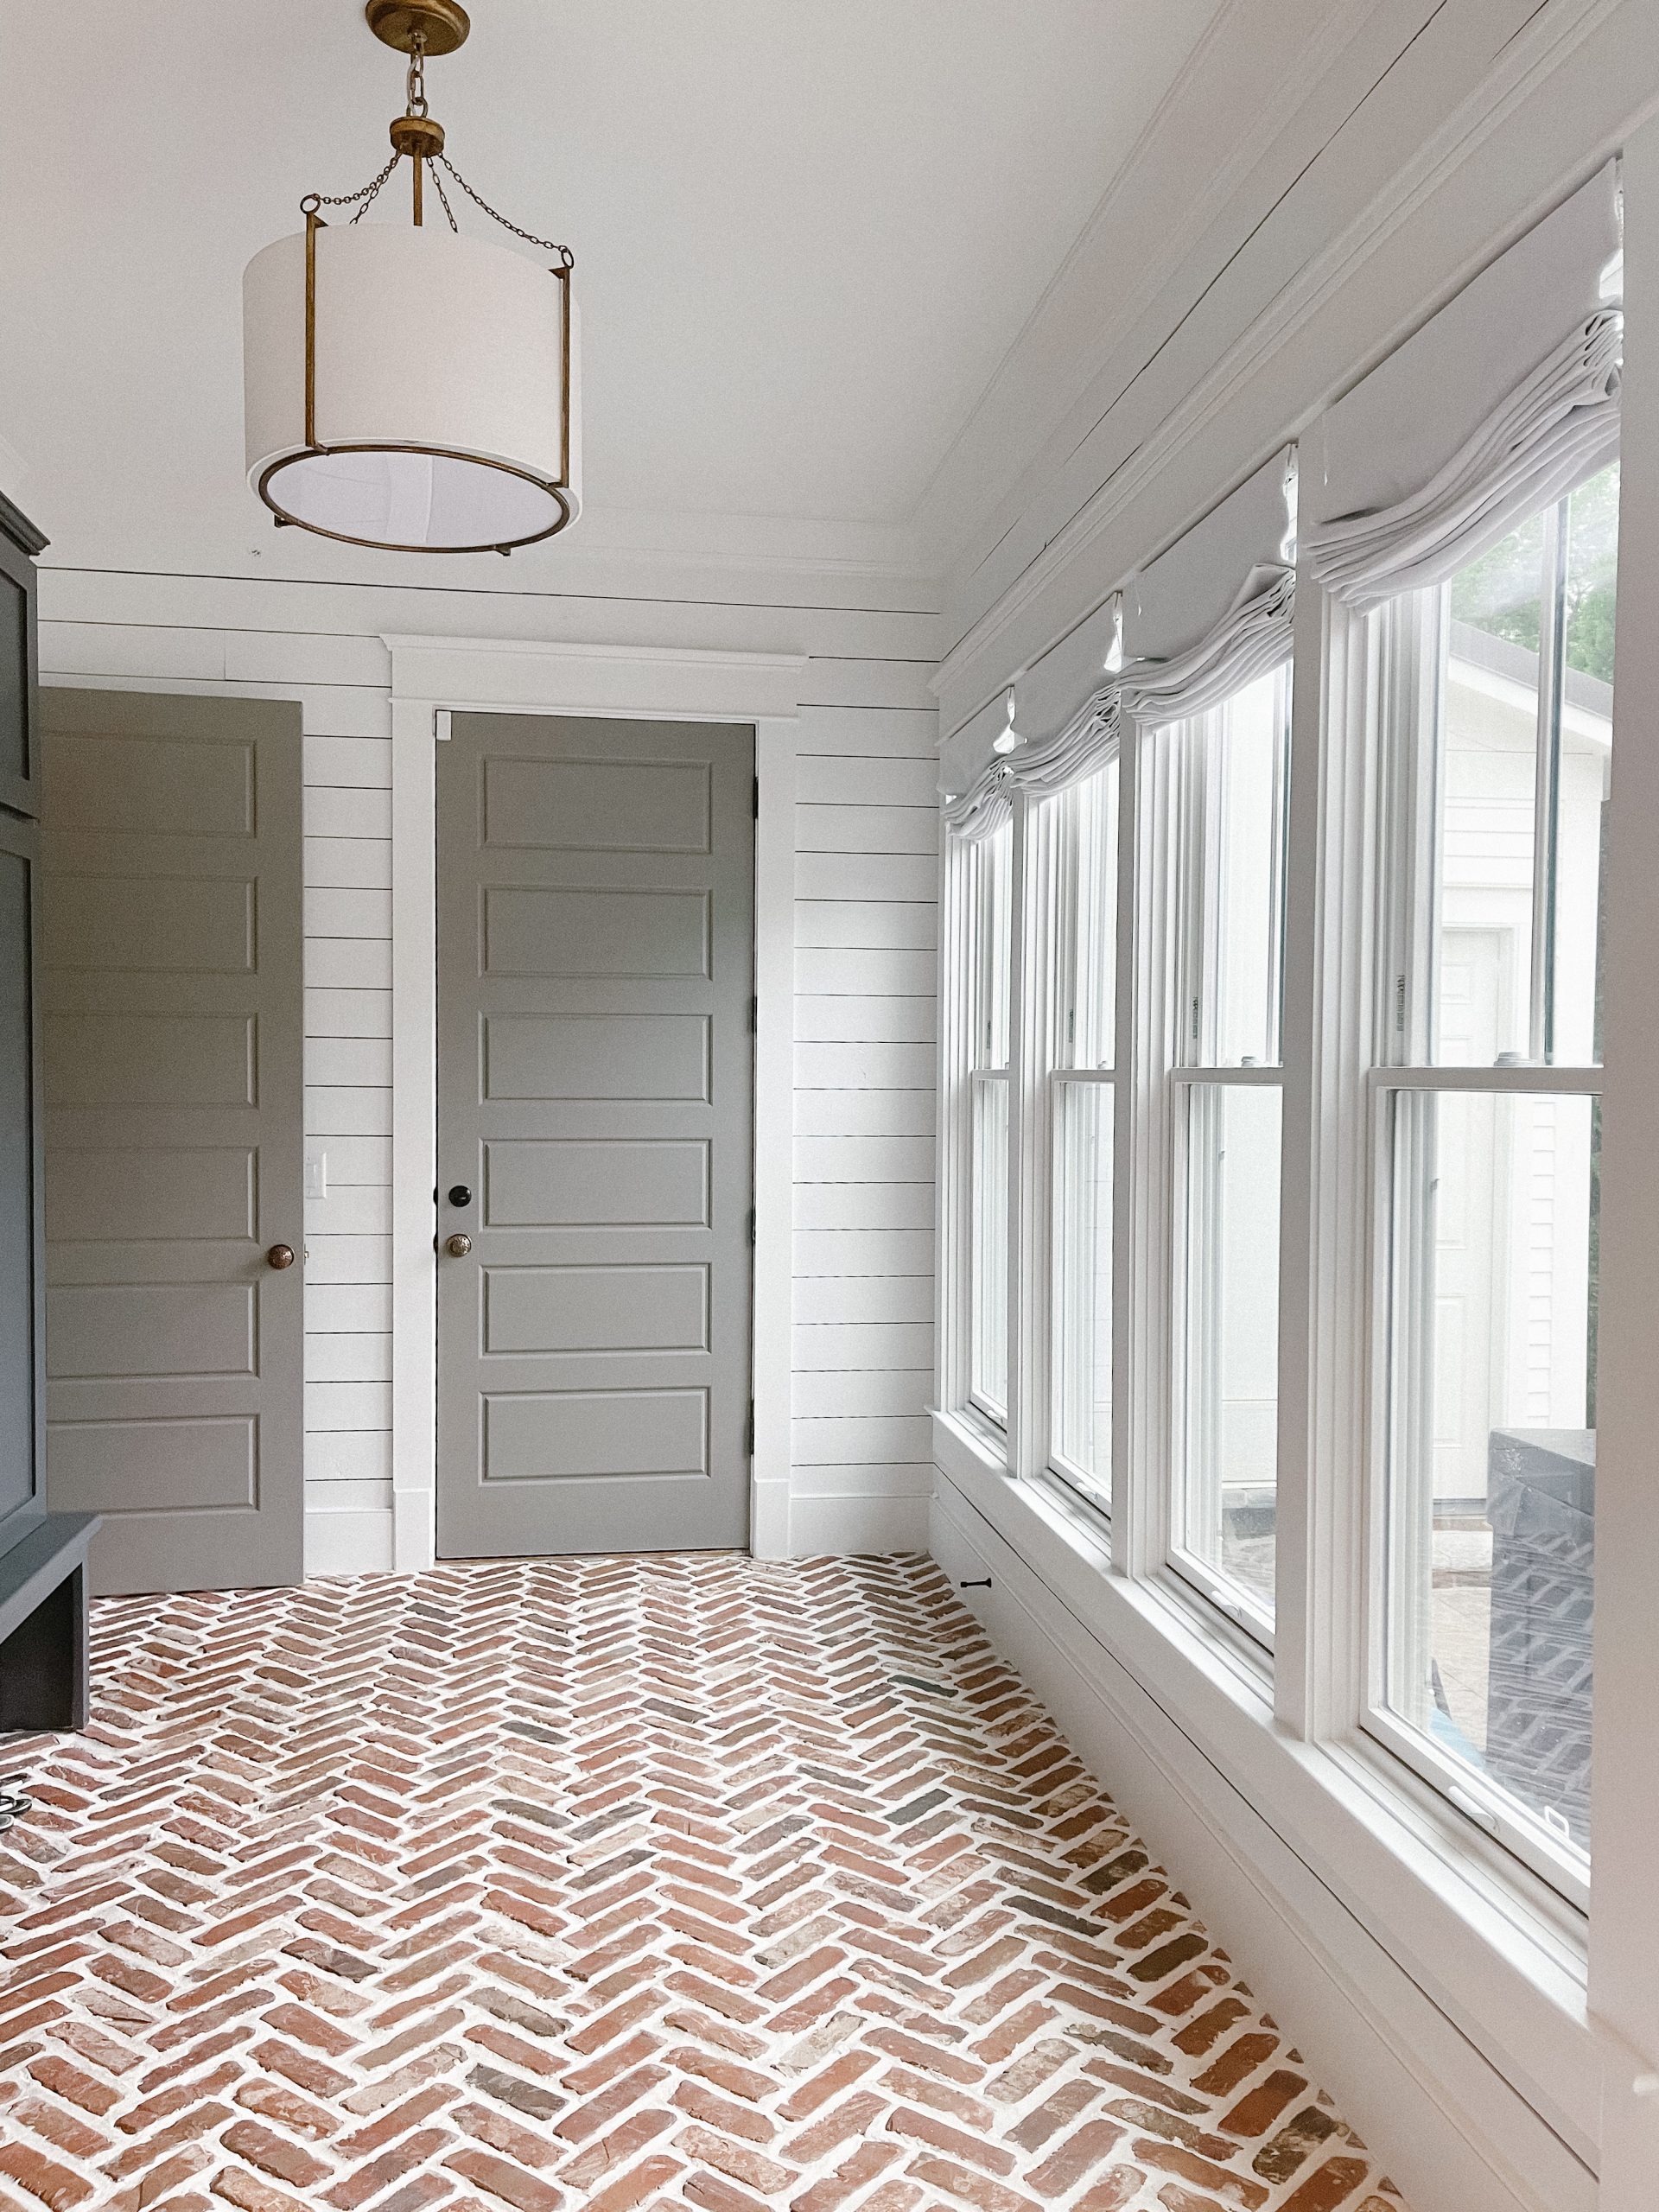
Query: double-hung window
[989,861]
[1225,776]
[1496,723]
[1084,1102]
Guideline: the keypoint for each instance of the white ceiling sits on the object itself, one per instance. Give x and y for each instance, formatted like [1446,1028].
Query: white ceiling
[806,232]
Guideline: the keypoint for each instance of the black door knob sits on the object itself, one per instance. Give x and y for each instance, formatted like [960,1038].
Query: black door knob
[459,1195]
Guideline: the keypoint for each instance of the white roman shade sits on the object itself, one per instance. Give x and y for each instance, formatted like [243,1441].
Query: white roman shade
[1502,403]
[1214,612]
[1062,713]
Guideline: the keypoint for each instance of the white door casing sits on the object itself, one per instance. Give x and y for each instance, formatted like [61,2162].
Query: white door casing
[431,677]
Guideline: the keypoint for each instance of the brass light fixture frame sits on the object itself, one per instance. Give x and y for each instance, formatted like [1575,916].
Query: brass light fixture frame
[435,27]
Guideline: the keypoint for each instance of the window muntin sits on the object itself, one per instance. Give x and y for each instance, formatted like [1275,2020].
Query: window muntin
[1497,733]
[990,862]
[1229,773]
[1083,1085]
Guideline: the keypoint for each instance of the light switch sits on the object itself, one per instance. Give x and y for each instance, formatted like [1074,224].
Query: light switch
[316,1174]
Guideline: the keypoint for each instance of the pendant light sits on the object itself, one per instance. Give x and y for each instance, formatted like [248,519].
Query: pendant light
[406,387]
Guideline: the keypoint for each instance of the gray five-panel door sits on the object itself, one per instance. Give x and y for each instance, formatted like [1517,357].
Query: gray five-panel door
[173,1039]
[595,1084]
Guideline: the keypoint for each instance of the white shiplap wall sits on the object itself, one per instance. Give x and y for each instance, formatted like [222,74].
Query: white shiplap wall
[864,1008]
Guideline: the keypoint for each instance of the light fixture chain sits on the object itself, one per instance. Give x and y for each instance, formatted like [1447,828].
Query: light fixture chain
[416,91]
[365,193]
[438,186]
[567,258]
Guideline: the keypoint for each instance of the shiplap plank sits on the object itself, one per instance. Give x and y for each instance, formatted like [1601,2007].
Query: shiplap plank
[864,1159]
[861,1441]
[308,657]
[348,1405]
[348,1455]
[347,811]
[895,733]
[863,1067]
[347,1012]
[863,1298]
[838,1394]
[351,1210]
[863,1252]
[867,830]
[832,681]
[348,763]
[864,1113]
[864,1206]
[347,1309]
[348,963]
[350,1110]
[863,780]
[901,877]
[864,1021]
[354,1358]
[347,913]
[348,1259]
[867,615]
[847,971]
[872,925]
[863,1347]
[357,1160]
[349,1062]
[349,863]
[878,1478]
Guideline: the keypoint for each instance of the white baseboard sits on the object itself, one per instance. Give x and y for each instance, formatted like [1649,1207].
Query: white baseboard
[1456,2137]
[821,1525]
[347,1543]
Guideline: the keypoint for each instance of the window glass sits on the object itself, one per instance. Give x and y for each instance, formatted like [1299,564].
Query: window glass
[1236,765]
[1523,743]
[991,861]
[1082,1316]
[1230,1352]
[1491,1457]
[988,1317]
[1087,831]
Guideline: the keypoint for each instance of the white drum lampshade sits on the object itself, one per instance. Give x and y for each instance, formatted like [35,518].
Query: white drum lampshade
[419,393]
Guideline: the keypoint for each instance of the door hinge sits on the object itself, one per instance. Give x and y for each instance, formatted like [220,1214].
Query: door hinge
[757,798]
[755,1014]
[750,1432]
[753,1233]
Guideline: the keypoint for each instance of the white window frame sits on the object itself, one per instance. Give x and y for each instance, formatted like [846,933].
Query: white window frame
[1403,649]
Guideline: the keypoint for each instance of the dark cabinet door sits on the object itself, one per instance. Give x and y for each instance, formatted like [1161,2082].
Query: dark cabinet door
[21,1375]
[19,750]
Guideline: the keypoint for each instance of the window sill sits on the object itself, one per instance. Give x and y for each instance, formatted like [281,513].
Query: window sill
[1496,1953]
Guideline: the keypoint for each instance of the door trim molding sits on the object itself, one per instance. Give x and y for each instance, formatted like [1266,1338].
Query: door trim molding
[431,676]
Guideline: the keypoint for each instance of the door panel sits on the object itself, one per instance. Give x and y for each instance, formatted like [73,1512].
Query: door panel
[173,1030]
[595,1060]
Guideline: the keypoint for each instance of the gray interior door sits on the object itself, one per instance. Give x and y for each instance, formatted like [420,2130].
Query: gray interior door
[175,1116]
[596,1086]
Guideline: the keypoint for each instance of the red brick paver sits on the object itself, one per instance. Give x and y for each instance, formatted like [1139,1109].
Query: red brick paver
[545,1884]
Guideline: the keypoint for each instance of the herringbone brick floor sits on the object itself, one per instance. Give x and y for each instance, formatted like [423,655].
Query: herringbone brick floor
[612,1883]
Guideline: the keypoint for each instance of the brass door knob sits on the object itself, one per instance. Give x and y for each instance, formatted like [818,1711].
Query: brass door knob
[458,1246]
[281,1255]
